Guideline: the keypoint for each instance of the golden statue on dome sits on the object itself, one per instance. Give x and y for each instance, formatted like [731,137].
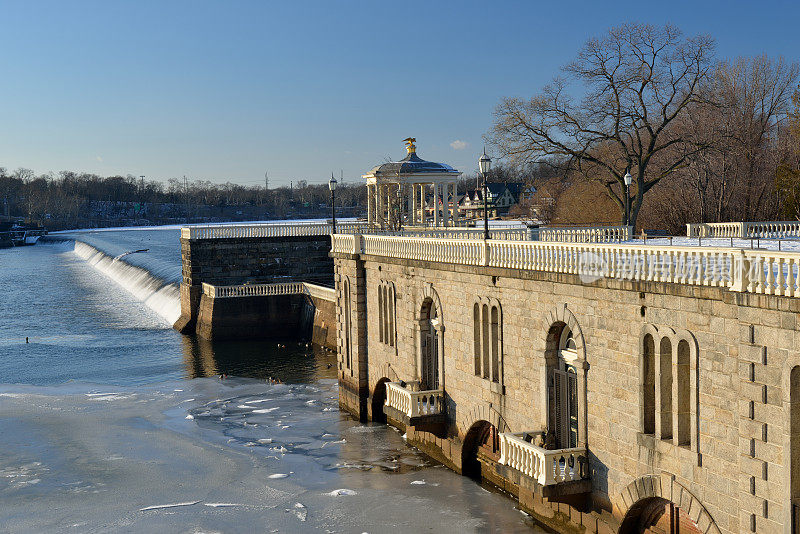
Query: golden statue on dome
[410,146]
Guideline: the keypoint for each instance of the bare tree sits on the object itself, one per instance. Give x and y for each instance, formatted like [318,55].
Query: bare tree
[636,82]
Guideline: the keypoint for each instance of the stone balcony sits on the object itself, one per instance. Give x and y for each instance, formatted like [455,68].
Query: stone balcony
[557,471]
[423,410]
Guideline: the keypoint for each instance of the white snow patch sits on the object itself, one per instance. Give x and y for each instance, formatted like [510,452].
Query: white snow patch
[265,410]
[265,441]
[221,504]
[342,491]
[278,475]
[172,505]
[190,416]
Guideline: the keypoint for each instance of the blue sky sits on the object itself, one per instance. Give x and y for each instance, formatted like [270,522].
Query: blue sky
[227,90]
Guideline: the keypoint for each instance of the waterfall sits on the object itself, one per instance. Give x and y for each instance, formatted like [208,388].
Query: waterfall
[159,295]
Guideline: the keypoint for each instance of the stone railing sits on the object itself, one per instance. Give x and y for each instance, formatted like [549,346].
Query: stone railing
[547,467]
[270,290]
[234,231]
[745,230]
[506,234]
[587,234]
[414,403]
[754,271]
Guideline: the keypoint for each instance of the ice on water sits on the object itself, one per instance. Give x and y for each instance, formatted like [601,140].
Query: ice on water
[157,459]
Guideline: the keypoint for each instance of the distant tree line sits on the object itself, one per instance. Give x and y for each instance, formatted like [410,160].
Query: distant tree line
[704,140]
[79,200]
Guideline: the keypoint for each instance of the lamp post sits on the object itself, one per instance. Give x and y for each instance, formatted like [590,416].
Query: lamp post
[332,187]
[484,164]
[628,179]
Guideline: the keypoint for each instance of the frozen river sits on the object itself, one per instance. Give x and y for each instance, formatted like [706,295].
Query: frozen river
[111,421]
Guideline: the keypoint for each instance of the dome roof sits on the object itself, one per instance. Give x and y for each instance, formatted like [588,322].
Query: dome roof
[411,164]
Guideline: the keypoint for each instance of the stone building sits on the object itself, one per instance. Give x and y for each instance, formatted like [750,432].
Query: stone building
[608,387]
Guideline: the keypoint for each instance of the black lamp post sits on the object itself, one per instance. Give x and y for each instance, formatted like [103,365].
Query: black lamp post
[628,179]
[332,187]
[484,164]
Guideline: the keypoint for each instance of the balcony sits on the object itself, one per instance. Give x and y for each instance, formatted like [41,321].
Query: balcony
[423,410]
[565,469]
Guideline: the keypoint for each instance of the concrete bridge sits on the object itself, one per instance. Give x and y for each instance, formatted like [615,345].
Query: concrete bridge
[608,387]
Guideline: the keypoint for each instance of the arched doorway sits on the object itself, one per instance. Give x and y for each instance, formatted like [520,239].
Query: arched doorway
[378,400]
[481,439]
[562,388]
[430,332]
[656,515]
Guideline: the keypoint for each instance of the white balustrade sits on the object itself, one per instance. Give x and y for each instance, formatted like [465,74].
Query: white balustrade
[414,403]
[270,290]
[586,234]
[754,271]
[745,230]
[548,467]
[237,231]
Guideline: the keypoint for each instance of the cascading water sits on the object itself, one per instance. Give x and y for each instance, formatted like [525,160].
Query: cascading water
[159,295]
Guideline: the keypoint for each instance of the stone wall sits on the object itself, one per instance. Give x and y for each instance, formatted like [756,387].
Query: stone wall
[236,261]
[732,477]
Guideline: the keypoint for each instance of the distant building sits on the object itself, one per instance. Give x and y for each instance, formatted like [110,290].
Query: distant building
[501,197]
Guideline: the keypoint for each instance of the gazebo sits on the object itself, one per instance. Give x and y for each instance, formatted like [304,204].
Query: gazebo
[397,192]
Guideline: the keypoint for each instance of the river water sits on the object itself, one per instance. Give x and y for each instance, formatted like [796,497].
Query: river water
[110,421]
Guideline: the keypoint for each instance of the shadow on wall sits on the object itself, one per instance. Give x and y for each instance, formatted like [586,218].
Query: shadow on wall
[599,477]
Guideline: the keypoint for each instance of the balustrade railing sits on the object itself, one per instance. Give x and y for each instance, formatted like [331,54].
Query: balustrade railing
[754,271]
[745,230]
[270,290]
[548,467]
[414,403]
[506,234]
[235,231]
[586,234]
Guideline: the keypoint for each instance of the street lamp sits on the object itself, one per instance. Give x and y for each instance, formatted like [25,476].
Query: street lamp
[332,187]
[628,179]
[484,164]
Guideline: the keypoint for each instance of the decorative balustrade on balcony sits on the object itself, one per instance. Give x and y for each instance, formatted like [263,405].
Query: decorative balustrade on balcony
[548,467]
[742,270]
[414,404]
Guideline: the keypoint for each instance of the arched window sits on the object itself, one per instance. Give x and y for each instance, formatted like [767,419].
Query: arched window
[649,393]
[381,314]
[794,438]
[684,394]
[476,337]
[563,392]
[430,347]
[487,338]
[386,313]
[665,383]
[669,384]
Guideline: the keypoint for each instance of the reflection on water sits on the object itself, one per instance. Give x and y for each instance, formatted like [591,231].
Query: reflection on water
[285,361]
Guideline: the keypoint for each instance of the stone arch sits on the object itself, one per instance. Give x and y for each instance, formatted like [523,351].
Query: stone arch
[640,494]
[556,322]
[481,412]
[481,435]
[428,292]
[562,314]
[378,400]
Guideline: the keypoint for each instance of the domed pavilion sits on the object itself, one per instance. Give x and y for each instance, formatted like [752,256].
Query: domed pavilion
[398,191]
